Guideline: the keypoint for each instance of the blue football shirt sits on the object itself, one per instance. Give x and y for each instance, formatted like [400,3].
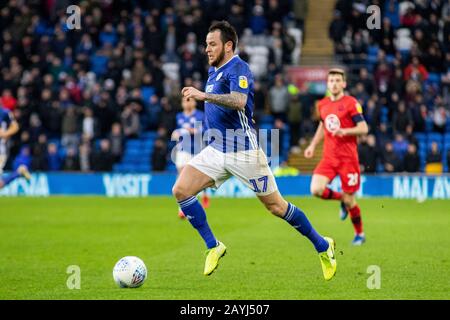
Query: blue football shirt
[6,118]
[192,121]
[230,130]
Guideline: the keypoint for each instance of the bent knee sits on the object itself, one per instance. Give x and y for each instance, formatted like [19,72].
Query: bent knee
[317,191]
[180,192]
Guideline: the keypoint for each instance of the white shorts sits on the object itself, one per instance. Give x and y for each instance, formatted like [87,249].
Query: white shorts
[3,159]
[250,167]
[182,158]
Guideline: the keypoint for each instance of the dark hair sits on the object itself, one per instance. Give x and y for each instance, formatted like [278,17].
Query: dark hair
[337,71]
[227,32]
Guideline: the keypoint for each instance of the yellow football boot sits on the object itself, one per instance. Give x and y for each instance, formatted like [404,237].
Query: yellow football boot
[328,260]
[212,258]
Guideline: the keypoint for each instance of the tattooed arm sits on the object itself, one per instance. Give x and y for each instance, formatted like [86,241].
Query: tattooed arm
[234,100]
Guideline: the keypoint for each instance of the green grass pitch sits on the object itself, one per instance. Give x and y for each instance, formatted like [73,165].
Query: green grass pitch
[267,259]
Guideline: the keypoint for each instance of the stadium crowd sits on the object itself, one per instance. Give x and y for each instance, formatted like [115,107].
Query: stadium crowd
[80,94]
[400,72]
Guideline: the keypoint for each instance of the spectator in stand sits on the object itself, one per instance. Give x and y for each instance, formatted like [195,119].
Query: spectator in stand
[415,71]
[294,118]
[159,155]
[383,76]
[7,100]
[279,98]
[368,155]
[39,160]
[23,158]
[440,115]
[401,119]
[130,122]
[258,22]
[116,140]
[103,159]
[71,162]
[400,146]
[411,162]
[54,160]
[391,162]
[84,154]
[88,123]
[434,155]
[260,101]
[70,128]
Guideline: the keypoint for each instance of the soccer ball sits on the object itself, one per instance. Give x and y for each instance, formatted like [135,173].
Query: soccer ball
[130,272]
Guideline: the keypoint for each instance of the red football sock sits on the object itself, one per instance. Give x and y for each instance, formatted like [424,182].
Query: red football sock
[329,194]
[355,215]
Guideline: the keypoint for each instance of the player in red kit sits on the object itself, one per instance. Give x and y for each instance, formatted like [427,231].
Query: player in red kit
[341,122]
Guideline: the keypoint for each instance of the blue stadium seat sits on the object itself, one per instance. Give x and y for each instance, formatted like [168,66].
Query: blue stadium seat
[421,137]
[434,78]
[266,119]
[134,143]
[435,137]
[149,135]
[428,125]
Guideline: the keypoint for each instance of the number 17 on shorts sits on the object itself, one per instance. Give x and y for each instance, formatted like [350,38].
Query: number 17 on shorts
[259,184]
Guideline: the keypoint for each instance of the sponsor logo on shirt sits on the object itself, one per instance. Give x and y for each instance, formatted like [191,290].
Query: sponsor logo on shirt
[243,83]
[332,123]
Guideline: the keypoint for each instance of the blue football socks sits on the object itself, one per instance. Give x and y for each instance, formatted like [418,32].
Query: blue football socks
[300,222]
[196,215]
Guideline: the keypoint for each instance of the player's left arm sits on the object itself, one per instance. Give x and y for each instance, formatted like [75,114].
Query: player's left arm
[360,128]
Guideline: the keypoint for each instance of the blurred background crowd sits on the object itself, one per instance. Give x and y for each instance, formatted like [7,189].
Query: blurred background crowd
[104,97]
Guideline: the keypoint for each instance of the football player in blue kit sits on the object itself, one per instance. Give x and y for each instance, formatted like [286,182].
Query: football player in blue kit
[8,128]
[189,136]
[233,150]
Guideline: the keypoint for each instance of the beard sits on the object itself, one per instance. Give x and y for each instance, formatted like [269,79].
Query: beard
[217,61]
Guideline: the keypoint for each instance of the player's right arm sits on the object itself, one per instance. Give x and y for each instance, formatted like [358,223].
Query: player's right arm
[318,136]
[13,128]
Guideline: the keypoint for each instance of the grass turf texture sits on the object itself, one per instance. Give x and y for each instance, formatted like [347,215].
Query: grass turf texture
[266,259]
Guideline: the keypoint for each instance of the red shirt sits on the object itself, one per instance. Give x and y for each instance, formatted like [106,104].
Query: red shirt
[343,113]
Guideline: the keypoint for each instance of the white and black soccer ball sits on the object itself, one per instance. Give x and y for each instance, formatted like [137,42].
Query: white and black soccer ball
[130,272]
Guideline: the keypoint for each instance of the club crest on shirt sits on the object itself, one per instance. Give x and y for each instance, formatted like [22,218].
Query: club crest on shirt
[219,76]
[209,88]
[359,108]
[332,123]
[243,83]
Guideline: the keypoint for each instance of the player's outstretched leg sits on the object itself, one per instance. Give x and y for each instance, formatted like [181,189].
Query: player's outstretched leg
[21,171]
[190,182]
[205,200]
[325,246]
[355,216]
